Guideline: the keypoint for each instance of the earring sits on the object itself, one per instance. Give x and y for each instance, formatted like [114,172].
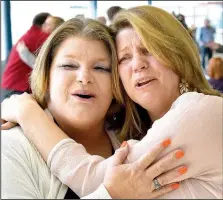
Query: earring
[184,86]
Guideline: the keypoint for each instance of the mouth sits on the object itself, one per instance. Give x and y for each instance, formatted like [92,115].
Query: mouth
[144,82]
[85,95]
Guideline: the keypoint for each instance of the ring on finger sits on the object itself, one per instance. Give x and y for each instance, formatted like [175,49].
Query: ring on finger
[156,184]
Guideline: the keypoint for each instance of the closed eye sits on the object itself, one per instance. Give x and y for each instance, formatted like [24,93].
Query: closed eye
[102,69]
[69,66]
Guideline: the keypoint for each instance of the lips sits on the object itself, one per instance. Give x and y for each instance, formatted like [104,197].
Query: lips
[84,94]
[143,81]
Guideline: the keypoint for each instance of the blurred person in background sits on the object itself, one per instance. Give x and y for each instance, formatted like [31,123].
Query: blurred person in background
[102,19]
[181,18]
[205,38]
[112,11]
[216,47]
[51,23]
[16,75]
[215,72]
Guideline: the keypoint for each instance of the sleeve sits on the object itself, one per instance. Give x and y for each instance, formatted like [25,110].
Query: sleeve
[195,126]
[82,172]
[100,193]
[24,173]
[26,56]
[18,181]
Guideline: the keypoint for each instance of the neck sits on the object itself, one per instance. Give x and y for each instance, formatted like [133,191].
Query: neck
[81,132]
[93,137]
[156,114]
[161,109]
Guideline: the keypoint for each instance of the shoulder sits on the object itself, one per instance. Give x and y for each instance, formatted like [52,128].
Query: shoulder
[17,147]
[197,101]
[192,111]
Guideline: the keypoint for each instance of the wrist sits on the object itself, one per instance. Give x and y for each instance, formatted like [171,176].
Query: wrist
[25,109]
[111,191]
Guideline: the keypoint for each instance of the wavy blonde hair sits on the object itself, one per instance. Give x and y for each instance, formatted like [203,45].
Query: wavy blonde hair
[171,44]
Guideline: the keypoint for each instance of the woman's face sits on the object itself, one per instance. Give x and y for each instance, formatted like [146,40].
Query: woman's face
[145,79]
[80,82]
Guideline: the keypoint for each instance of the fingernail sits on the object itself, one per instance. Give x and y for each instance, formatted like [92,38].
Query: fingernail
[182,170]
[175,186]
[179,154]
[123,144]
[166,143]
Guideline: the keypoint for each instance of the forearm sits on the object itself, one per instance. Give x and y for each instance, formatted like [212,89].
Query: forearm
[26,56]
[77,169]
[40,129]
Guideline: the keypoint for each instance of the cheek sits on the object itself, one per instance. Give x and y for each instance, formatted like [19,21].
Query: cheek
[170,80]
[59,85]
[105,85]
[124,75]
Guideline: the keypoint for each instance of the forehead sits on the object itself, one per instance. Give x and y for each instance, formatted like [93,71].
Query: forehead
[127,38]
[82,47]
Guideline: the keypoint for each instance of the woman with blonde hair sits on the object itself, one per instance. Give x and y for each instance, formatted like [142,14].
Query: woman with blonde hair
[162,87]
[215,72]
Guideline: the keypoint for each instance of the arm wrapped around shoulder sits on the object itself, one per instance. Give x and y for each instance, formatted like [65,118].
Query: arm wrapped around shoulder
[194,124]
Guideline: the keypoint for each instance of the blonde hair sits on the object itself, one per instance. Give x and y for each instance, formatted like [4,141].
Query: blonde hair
[215,68]
[86,28]
[171,44]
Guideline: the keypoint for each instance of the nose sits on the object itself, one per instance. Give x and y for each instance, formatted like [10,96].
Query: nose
[84,77]
[139,63]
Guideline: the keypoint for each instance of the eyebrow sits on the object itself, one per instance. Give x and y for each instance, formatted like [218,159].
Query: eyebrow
[99,59]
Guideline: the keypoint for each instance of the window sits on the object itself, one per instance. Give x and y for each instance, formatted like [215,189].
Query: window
[65,9]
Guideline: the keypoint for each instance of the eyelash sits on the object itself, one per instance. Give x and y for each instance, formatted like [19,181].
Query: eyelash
[69,66]
[123,58]
[103,69]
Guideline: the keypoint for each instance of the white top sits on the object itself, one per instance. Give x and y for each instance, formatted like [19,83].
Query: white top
[194,124]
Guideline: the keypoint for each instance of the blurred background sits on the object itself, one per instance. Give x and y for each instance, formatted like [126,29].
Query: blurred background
[22,13]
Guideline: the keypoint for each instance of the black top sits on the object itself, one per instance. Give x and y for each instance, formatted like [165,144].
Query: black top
[71,195]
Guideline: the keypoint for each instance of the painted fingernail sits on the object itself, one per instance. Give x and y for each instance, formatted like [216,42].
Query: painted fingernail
[123,144]
[182,170]
[179,154]
[166,143]
[175,186]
